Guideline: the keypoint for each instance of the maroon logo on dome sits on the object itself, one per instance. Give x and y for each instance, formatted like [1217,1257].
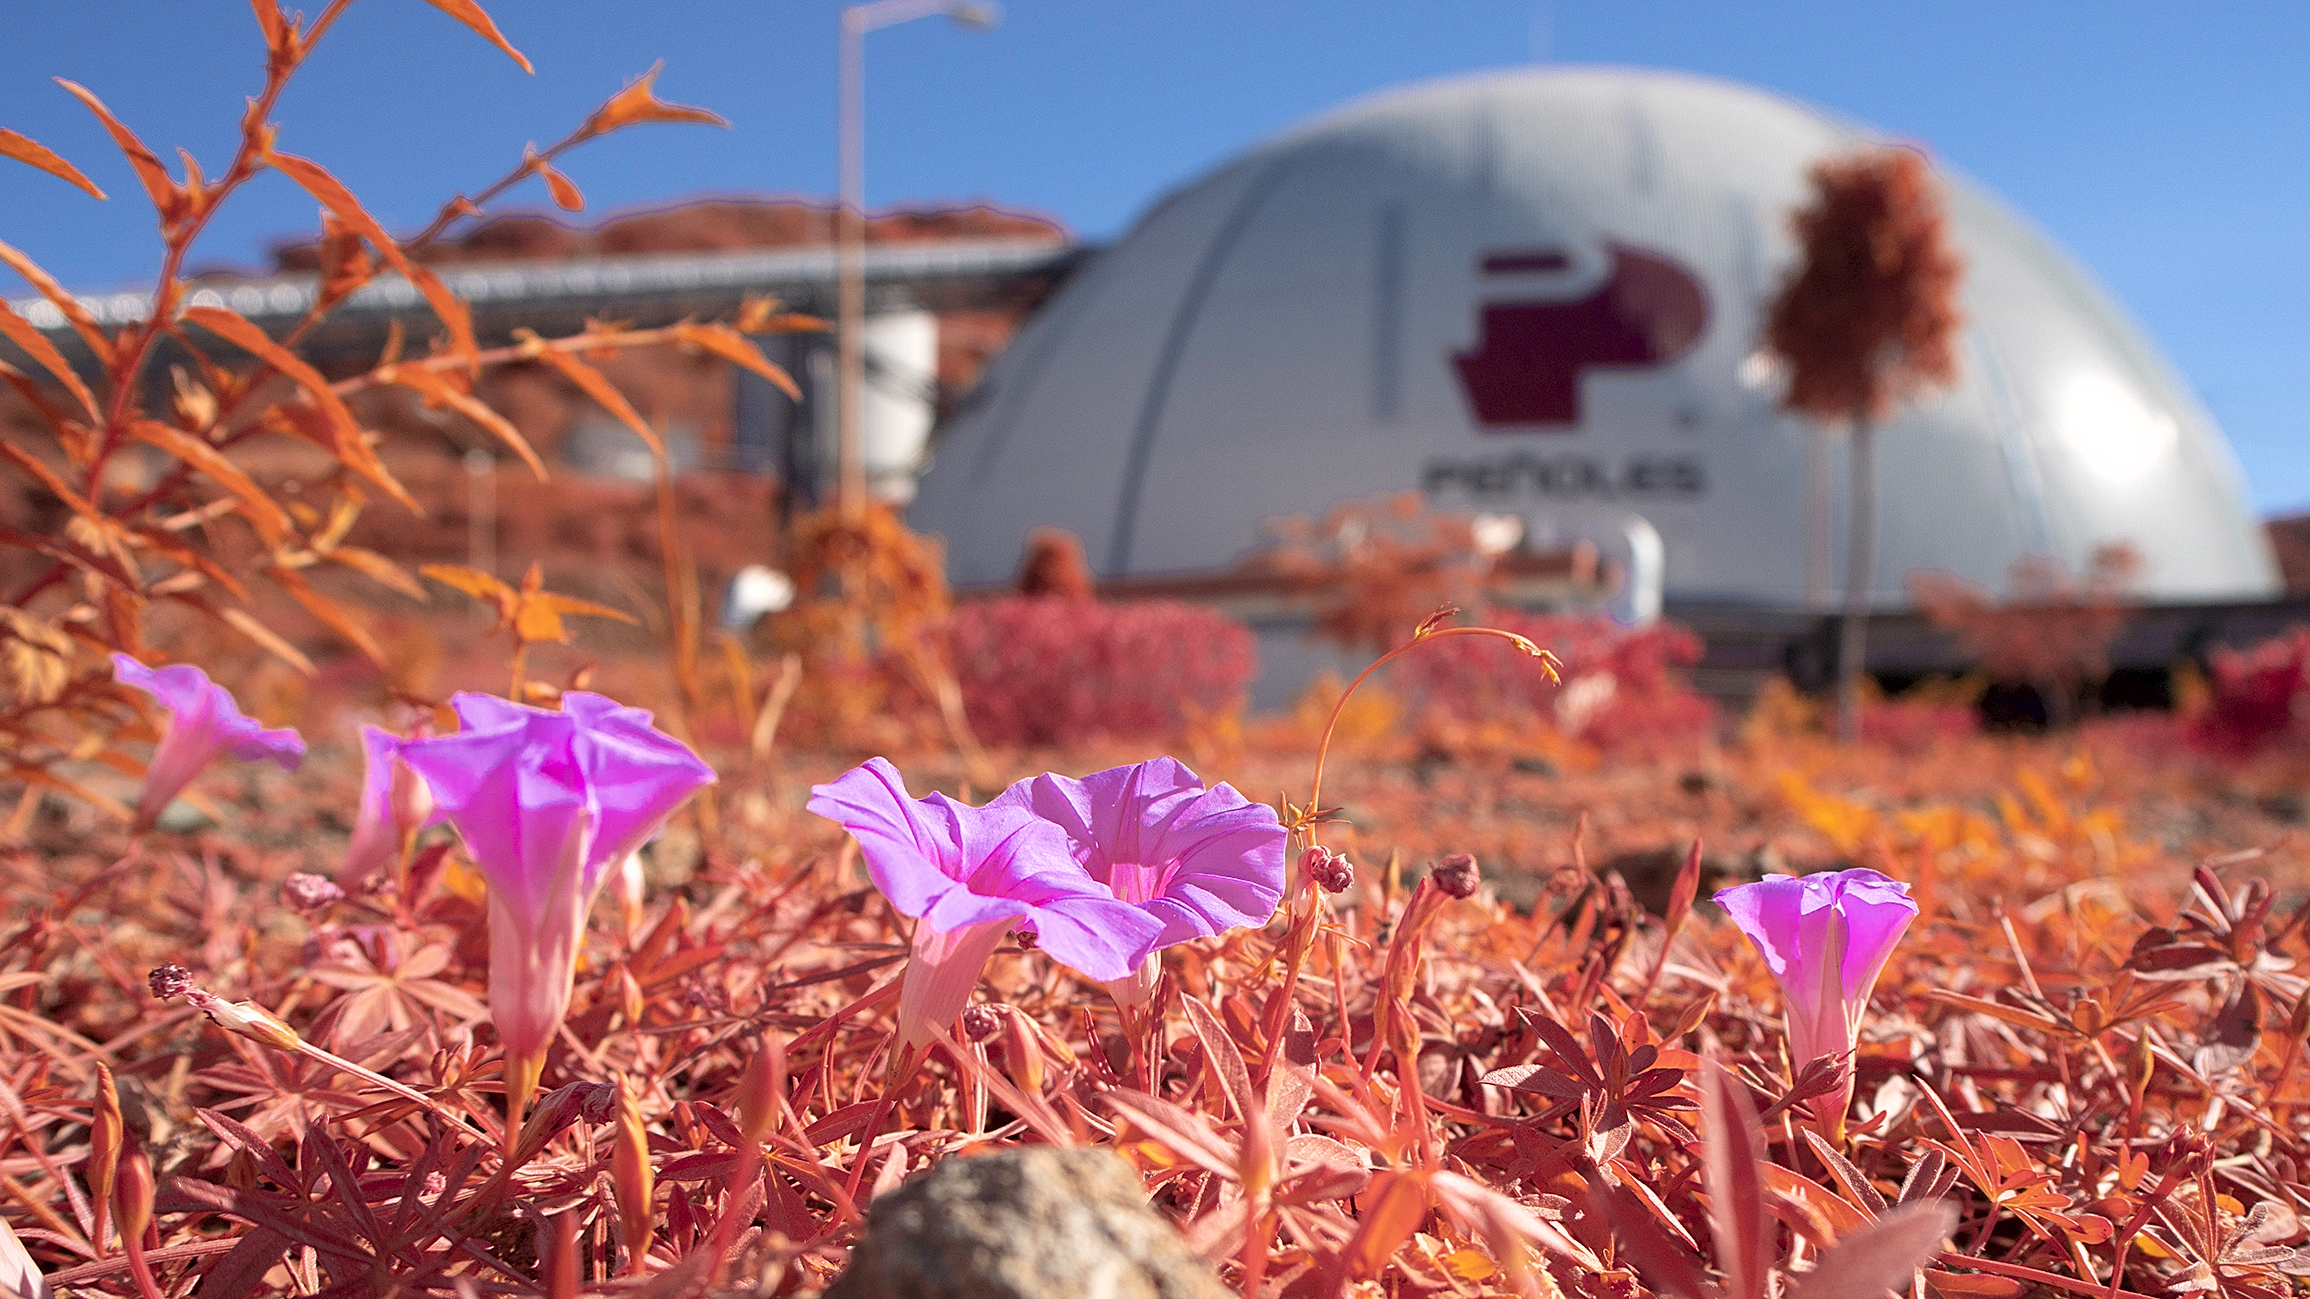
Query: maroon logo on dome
[1527,363]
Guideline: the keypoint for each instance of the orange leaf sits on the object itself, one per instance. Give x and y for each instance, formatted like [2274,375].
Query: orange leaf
[242,621]
[48,478]
[535,620]
[36,345]
[605,394]
[81,320]
[439,391]
[32,775]
[316,181]
[565,191]
[337,619]
[71,552]
[472,581]
[1390,1215]
[472,15]
[585,608]
[733,346]
[639,103]
[769,316]
[167,199]
[31,152]
[236,329]
[173,547]
[262,512]
[316,426]
[40,404]
[378,569]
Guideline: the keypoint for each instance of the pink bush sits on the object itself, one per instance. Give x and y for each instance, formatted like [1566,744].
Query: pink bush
[1045,669]
[2260,697]
[1621,688]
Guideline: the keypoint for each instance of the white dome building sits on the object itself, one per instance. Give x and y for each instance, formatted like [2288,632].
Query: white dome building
[1537,293]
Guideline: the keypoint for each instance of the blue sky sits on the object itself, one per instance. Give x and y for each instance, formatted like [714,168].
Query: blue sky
[2167,146]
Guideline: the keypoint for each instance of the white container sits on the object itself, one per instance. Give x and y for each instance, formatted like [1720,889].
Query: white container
[901,400]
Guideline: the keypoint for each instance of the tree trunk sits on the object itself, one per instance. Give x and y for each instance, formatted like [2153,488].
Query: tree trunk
[1816,519]
[1853,636]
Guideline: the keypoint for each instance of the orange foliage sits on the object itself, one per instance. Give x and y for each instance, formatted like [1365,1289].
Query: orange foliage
[201,533]
[2053,631]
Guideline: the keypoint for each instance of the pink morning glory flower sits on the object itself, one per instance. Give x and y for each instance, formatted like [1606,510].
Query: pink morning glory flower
[1825,937]
[204,724]
[970,875]
[547,802]
[1201,861]
[395,805]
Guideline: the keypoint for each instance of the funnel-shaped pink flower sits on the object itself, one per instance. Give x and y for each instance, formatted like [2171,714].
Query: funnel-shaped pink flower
[969,875]
[395,805]
[1201,861]
[546,802]
[203,724]
[1825,937]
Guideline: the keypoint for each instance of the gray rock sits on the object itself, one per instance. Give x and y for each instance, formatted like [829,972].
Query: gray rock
[1038,1223]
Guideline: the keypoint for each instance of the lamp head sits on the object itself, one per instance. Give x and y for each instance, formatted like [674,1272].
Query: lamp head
[974,15]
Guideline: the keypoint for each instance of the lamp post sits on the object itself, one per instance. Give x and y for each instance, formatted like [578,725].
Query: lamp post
[850,223]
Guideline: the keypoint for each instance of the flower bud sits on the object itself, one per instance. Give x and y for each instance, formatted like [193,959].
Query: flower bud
[246,1018]
[981,1022]
[169,981]
[1026,939]
[634,1179]
[760,1089]
[1331,871]
[2185,1152]
[558,1109]
[1457,875]
[132,1190]
[309,892]
[107,1135]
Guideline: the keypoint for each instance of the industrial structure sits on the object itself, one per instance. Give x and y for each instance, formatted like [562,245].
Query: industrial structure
[1539,293]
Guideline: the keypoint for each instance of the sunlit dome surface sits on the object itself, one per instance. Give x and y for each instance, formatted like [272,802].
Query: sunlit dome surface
[1538,293]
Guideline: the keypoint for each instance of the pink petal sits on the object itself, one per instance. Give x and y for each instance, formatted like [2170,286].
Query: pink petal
[940,973]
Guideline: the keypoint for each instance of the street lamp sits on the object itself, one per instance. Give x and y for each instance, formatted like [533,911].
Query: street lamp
[850,221]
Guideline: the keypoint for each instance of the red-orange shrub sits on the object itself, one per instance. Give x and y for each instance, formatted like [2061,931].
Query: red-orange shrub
[1041,669]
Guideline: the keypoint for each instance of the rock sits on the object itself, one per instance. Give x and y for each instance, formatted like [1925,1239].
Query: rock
[181,817]
[1038,1223]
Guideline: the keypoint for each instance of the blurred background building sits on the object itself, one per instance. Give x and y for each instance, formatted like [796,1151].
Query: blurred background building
[1539,293]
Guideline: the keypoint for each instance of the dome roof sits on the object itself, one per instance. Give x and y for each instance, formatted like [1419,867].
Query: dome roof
[1538,292]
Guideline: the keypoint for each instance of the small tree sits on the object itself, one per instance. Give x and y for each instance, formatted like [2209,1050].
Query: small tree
[1866,323]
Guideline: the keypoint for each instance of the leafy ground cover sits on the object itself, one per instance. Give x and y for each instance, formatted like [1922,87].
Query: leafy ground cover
[2094,1042]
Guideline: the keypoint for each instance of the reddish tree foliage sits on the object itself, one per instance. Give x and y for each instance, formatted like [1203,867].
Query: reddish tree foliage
[1382,566]
[2054,632]
[1054,566]
[1868,320]
[1622,689]
[1865,324]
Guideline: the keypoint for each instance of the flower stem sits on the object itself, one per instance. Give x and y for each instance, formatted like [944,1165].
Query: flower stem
[521,1077]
